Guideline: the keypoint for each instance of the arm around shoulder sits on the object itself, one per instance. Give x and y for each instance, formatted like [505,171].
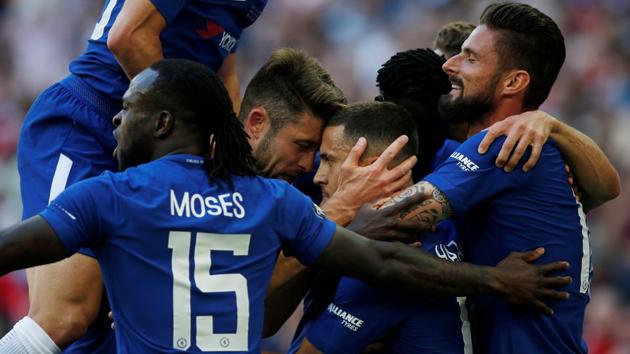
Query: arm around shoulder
[227,73]
[596,175]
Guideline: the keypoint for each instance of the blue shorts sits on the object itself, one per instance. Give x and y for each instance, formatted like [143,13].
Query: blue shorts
[67,137]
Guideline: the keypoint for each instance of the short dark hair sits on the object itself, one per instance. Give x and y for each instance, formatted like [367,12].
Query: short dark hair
[196,97]
[289,83]
[450,37]
[380,123]
[415,80]
[528,40]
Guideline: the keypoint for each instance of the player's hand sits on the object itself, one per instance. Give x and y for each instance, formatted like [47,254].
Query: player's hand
[524,284]
[358,185]
[523,130]
[384,224]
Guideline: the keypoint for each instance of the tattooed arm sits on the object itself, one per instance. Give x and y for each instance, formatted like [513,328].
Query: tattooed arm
[423,203]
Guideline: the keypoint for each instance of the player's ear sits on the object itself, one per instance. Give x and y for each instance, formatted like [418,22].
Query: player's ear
[257,122]
[515,82]
[164,124]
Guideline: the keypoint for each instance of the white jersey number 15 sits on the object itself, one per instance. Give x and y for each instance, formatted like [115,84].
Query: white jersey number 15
[206,339]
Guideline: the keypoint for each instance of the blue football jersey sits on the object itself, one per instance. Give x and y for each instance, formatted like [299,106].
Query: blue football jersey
[519,211]
[444,152]
[205,31]
[186,264]
[360,314]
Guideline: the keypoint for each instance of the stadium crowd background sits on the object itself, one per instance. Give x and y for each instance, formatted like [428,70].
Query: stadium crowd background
[352,38]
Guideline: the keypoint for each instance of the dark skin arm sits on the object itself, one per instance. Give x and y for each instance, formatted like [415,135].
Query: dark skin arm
[29,243]
[33,242]
[395,265]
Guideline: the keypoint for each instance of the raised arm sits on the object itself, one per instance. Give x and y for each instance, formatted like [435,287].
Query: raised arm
[227,74]
[595,174]
[134,38]
[407,268]
[29,243]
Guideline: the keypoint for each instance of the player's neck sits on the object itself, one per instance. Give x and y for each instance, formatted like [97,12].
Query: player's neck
[185,150]
[498,114]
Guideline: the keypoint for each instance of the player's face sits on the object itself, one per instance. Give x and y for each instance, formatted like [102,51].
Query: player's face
[133,129]
[474,74]
[289,152]
[332,153]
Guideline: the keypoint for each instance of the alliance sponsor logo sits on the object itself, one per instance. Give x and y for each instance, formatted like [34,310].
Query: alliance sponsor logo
[464,162]
[350,321]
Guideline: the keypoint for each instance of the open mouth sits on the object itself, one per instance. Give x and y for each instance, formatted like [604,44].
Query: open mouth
[456,85]
[455,88]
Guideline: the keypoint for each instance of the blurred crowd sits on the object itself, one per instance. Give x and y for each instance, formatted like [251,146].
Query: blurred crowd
[352,38]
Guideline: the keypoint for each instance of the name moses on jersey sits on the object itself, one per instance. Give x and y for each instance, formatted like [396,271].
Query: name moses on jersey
[196,205]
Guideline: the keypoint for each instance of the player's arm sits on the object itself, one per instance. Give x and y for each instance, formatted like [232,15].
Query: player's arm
[289,283]
[306,347]
[227,74]
[291,280]
[597,177]
[396,265]
[134,38]
[422,204]
[29,243]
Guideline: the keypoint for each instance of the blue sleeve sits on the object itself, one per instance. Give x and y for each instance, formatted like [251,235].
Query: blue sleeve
[74,215]
[305,230]
[169,8]
[468,178]
[359,315]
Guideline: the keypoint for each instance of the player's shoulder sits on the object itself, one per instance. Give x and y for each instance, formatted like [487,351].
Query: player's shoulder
[270,187]
[450,145]
[139,177]
[476,139]
[497,143]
